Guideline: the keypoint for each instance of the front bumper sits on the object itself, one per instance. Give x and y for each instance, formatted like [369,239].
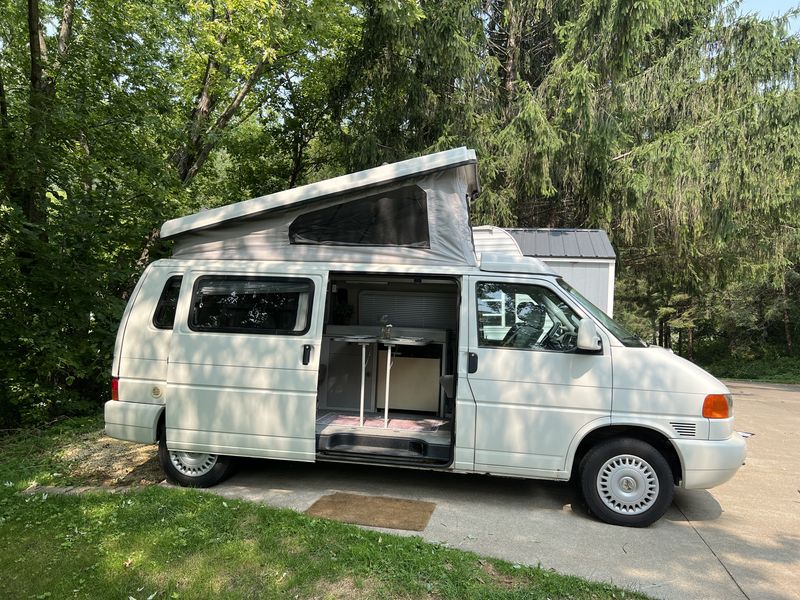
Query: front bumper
[709,463]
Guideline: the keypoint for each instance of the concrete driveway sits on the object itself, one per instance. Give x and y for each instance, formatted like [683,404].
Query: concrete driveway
[740,540]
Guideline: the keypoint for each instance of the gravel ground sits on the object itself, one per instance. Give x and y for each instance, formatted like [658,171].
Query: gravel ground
[99,460]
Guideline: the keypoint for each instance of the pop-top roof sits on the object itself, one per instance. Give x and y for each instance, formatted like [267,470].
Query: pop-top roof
[370,178]
[410,212]
[564,243]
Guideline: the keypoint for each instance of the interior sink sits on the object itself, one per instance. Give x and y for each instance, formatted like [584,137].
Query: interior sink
[405,341]
[357,339]
[393,340]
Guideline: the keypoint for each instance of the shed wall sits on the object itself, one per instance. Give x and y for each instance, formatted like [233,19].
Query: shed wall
[595,279]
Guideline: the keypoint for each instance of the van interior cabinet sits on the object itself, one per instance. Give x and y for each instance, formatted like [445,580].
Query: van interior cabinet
[414,380]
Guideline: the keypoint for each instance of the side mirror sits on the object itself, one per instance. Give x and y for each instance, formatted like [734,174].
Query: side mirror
[588,338]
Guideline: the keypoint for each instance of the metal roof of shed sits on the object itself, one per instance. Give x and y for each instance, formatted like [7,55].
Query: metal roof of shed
[564,243]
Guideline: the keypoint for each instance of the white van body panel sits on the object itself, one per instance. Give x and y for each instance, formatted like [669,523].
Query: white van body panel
[239,393]
[580,436]
[657,389]
[656,369]
[464,452]
[531,403]
[118,342]
[144,348]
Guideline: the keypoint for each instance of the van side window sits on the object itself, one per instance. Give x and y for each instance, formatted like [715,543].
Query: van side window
[240,304]
[512,315]
[164,317]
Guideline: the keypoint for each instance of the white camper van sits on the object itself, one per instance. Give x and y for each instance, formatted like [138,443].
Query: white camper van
[350,321]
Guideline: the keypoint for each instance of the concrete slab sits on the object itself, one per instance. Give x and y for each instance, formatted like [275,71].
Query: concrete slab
[741,540]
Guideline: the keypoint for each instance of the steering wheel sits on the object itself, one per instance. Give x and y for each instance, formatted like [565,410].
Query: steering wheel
[559,338]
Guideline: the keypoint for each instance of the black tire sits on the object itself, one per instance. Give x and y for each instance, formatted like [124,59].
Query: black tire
[190,469]
[626,482]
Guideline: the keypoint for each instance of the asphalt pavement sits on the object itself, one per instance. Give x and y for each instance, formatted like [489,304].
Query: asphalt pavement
[739,540]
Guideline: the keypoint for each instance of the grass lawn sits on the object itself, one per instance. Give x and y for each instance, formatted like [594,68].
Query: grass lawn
[155,542]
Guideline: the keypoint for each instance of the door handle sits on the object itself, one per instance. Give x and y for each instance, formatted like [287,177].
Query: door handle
[307,353]
[472,363]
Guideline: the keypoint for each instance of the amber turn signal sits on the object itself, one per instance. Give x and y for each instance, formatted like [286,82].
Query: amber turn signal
[718,406]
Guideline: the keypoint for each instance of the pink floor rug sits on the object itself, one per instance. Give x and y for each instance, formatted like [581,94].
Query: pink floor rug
[377,422]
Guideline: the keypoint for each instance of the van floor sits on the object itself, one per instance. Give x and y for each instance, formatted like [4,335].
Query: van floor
[397,421]
[407,437]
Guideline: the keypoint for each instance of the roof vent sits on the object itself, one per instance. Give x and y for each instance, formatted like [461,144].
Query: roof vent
[507,263]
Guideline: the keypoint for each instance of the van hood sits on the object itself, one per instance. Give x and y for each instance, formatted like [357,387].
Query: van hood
[656,369]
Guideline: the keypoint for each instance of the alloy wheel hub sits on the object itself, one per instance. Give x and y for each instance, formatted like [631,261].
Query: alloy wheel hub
[627,484]
[193,464]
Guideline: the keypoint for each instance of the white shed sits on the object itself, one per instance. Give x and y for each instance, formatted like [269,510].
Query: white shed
[583,257]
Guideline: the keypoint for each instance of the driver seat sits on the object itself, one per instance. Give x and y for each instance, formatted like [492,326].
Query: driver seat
[526,332]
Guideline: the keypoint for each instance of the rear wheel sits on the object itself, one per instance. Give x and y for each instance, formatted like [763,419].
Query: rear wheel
[626,482]
[191,469]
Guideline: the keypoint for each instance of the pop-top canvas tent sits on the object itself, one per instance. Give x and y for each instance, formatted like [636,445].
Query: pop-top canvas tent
[409,212]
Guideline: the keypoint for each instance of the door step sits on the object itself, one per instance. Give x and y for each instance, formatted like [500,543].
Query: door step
[374,451]
[364,444]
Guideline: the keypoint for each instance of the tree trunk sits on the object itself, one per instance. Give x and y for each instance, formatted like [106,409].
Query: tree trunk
[690,344]
[5,140]
[65,30]
[191,156]
[511,64]
[787,329]
[31,195]
[298,147]
[42,90]
[3,104]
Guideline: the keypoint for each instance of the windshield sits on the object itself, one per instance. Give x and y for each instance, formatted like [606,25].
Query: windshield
[618,331]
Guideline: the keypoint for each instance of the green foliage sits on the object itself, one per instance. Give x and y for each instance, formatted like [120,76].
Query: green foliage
[674,125]
[104,127]
[775,369]
[83,184]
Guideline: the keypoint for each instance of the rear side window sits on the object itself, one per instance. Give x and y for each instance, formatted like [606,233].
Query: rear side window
[164,317]
[267,305]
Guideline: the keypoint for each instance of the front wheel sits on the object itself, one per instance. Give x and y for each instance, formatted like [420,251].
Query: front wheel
[192,469]
[626,482]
